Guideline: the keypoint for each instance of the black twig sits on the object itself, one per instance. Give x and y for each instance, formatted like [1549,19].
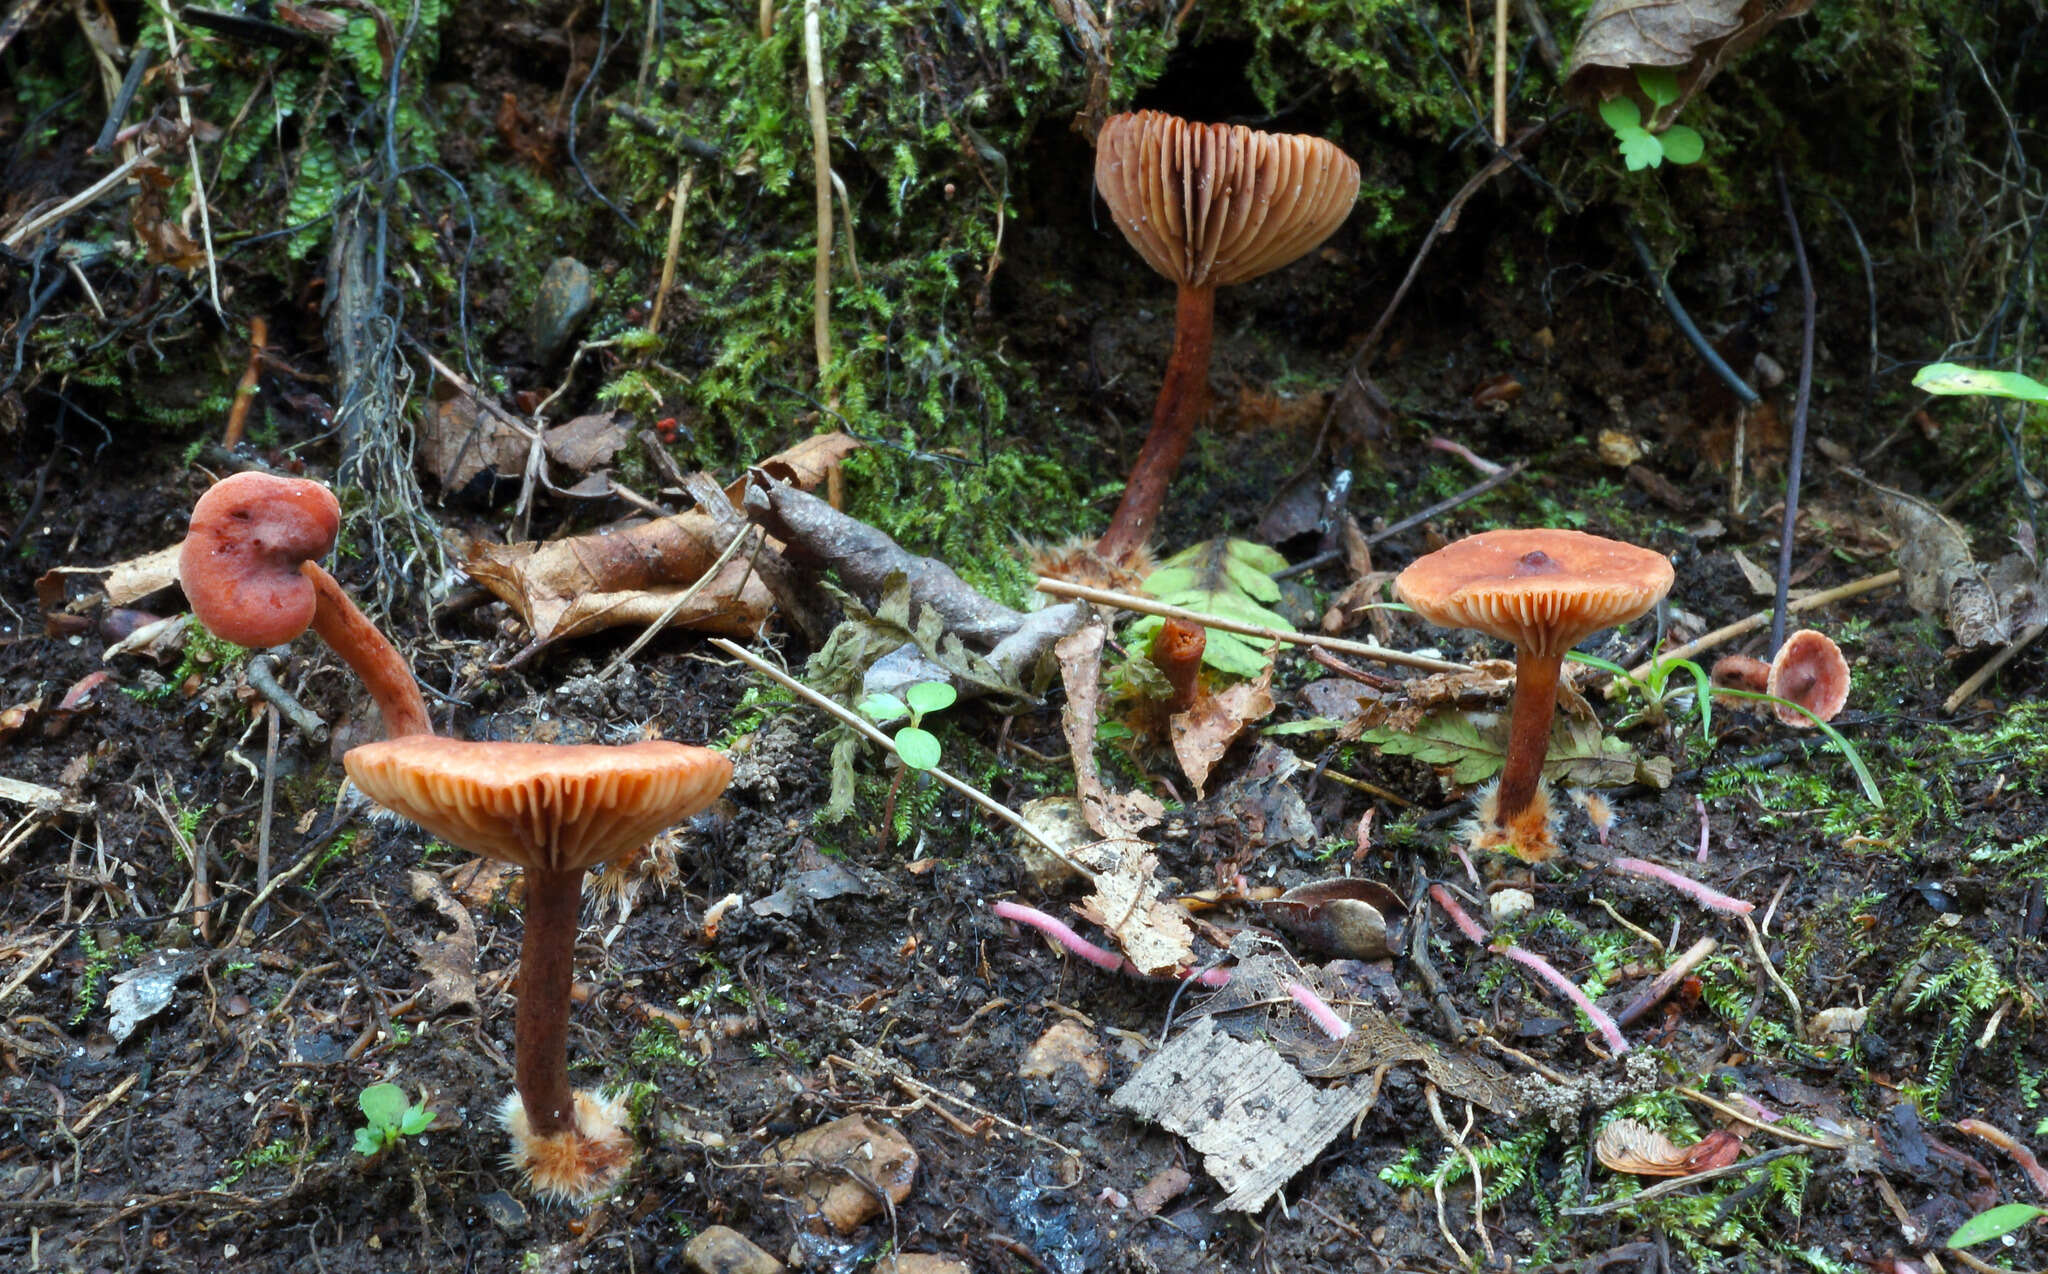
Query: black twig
[1870,291]
[604,26]
[116,116]
[1799,406]
[1712,357]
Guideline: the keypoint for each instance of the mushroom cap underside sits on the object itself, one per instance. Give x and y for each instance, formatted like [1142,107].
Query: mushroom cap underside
[540,805]
[1544,590]
[1809,670]
[1209,204]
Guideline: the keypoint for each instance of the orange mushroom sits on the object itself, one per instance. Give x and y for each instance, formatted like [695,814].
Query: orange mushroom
[1808,670]
[248,568]
[553,810]
[1206,205]
[1546,591]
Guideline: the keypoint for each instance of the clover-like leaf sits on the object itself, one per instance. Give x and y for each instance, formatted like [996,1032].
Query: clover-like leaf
[1621,113]
[1659,84]
[931,696]
[417,1120]
[383,1105]
[1682,145]
[1639,149]
[919,749]
[883,709]
[368,1142]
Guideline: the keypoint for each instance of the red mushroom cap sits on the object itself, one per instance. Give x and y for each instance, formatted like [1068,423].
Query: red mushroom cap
[1544,590]
[240,562]
[1809,670]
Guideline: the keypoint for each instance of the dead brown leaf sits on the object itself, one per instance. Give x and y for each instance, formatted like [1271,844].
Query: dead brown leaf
[456,442]
[588,583]
[1941,574]
[1203,733]
[1151,931]
[449,962]
[587,442]
[1695,38]
[1111,814]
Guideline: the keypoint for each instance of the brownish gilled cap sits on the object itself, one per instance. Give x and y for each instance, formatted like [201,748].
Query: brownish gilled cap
[1809,670]
[1209,204]
[1544,590]
[540,805]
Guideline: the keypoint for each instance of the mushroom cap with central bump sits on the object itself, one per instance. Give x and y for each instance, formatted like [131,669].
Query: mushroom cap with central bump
[545,806]
[1544,590]
[1209,204]
[240,561]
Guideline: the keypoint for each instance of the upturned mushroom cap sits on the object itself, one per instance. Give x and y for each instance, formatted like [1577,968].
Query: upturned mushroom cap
[1809,670]
[1210,204]
[1544,590]
[540,805]
[240,562]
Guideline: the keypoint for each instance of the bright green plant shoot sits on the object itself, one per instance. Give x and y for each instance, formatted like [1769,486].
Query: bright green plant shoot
[1655,687]
[917,746]
[1954,378]
[1995,1223]
[1641,148]
[389,1117]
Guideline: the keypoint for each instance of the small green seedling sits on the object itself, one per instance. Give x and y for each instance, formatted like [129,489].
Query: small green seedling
[1655,686]
[390,1117]
[1641,148]
[1954,378]
[916,746]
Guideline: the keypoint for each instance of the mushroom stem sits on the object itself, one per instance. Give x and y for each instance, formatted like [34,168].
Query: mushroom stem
[1536,678]
[540,1045]
[1183,398]
[349,633]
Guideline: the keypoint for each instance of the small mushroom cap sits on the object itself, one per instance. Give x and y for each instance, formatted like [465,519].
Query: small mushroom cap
[540,805]
[1209,204]
[1809,670]
[1544,590]
[240,562]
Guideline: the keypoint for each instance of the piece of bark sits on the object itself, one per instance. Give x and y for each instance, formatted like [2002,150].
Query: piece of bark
[1253,1118]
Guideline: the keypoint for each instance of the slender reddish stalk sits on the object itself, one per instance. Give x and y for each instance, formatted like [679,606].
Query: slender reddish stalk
[540,1044]
[1183,398]
[1177,653]
[1528,732]
[350,634]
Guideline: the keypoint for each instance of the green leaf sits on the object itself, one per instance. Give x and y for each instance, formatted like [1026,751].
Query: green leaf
[1307,725]
[1848,750]
[1639,150]
[1228,578]
[1953,378]
[368,1142]
[1682,145]
[918,748]
[417,1120]
[1995,1223]
[1621,114]
[931,696]
[1579,753]
[883,708]
[1659,84]
[383,1105]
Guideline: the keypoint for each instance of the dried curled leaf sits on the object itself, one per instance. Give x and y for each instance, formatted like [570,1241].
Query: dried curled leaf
[1152,931]
[1631,1146]
[1695,38]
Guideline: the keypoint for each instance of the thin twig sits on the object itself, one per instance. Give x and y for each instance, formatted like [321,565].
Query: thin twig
[1756,944]
[676,607]
[1146,606]
[1796,464]
[81,199]
[1687,961]
[192,156]
[1729,632]
[675,245]
[1991,666]
[1783,1134]
[972,793]
[821,170]
[1708,354]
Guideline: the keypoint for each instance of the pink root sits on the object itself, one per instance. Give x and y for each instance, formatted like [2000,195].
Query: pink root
[1701,894]
[1466,924]
[1484,466]
[1102,958]
[1700,804]
[1319,1011]
[1542,968]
